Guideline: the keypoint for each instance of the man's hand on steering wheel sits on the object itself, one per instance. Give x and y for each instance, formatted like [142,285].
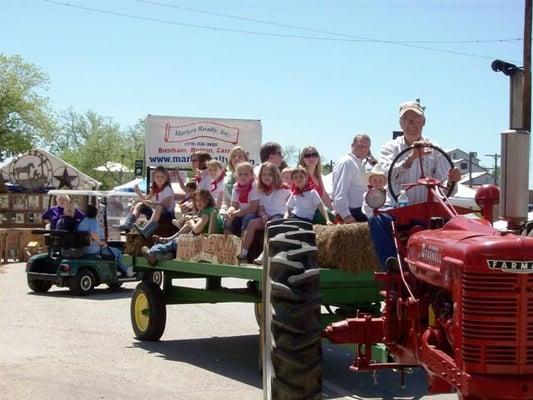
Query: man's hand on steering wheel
[420,150]
[454,175]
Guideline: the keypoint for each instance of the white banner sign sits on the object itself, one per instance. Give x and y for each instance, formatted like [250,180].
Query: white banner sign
[170,141]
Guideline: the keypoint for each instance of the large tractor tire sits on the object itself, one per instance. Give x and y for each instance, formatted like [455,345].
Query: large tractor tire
[148,311]
[292,349]
[39,285]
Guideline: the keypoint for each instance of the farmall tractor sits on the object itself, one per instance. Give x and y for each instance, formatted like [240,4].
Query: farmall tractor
[457,301]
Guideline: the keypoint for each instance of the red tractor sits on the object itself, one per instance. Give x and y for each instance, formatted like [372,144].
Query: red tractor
[458,301]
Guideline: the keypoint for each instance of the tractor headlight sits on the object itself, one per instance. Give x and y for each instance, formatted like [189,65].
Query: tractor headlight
[376,198]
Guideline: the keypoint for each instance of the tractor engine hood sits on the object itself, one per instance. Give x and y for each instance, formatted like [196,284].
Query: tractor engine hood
[437,256]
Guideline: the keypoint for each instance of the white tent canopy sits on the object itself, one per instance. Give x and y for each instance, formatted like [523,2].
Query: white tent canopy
[112,166]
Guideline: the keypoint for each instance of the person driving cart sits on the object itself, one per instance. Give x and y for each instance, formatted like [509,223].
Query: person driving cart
[98,245]
[420,161]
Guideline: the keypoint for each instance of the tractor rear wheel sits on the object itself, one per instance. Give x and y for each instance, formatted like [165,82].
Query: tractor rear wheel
[292,349]
[148,311]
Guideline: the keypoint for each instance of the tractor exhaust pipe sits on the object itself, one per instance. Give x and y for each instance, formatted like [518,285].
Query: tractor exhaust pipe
[514,193]
[514,180]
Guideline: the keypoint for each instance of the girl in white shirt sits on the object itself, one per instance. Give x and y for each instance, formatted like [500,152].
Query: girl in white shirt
[199,161]
[158,203]
[244,200]
[272,203]
[304,200]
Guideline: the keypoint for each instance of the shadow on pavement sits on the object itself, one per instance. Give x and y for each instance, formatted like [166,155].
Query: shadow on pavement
[100,293]
[235,357]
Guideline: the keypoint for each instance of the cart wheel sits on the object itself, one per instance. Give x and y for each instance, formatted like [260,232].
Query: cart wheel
[292,349]
[153,276]
[38,285]
[148,311]
[83,283]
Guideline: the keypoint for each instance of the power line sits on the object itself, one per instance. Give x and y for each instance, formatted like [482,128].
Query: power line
[279,35]
[359,38]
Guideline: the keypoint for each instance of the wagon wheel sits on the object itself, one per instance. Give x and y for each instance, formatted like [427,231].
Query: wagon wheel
[148,311]
[423,180]
[292,349]
[83,283]
[153,276]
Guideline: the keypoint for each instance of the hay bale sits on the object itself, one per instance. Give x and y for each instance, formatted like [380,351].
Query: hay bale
[135,242]
[347,247]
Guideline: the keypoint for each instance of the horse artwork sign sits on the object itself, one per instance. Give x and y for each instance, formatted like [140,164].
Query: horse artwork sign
[37,171]
[216,249]
[170,141]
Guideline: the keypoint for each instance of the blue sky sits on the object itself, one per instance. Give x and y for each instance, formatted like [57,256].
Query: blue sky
[318,92]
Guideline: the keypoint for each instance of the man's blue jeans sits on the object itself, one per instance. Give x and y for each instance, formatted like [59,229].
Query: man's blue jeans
[162,250]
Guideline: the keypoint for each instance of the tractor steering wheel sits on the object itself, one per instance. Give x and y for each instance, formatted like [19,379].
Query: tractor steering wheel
[423,180]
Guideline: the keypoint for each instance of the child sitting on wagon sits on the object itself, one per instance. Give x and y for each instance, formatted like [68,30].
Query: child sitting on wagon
[187,204]
[244,200]
[304,200]
[166,247]
[217,173]
[272,204]
[158,203]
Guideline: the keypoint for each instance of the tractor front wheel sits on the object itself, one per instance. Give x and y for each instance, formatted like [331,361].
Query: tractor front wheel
[292,349]
[148,311]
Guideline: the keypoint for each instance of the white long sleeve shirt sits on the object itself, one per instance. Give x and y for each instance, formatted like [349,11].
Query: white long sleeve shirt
[434,164]
[349,184]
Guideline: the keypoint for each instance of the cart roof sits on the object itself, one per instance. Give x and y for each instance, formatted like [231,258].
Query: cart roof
[99,193]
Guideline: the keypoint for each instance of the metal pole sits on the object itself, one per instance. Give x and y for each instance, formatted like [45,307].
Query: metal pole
[470,154]
[526,83]
[495,172]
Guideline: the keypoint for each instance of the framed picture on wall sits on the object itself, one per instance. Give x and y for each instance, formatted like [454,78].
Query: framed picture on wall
[19,218]
[18,202]
[4,202]
[34,202]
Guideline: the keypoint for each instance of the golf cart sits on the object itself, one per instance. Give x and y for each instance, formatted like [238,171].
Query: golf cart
[64,264]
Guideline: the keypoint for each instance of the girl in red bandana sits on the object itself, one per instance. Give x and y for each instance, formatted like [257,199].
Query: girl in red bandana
[272,204]
[244,200]
[216,173]
[304,199]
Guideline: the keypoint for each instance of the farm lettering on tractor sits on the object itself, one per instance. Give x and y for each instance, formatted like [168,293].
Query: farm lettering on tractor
[523,267]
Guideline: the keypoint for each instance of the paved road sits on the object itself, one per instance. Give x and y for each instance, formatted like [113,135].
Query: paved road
[56,346]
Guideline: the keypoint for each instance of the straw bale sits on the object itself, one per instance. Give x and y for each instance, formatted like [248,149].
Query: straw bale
[347,247]
[135,242]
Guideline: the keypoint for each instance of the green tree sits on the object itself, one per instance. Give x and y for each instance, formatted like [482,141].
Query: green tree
[89,140]
[25,115]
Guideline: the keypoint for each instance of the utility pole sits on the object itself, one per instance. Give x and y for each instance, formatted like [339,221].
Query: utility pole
[495,171]
[471,155]
[526,83]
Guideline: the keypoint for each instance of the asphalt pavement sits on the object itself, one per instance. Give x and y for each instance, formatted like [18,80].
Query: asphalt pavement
[60,347]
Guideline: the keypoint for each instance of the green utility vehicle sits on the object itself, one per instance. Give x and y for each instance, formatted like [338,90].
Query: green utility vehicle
[65,265]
